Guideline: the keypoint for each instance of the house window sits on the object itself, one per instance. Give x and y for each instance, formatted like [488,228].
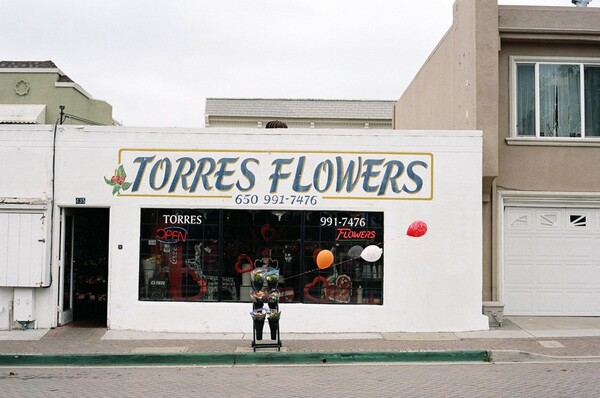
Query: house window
[555,99]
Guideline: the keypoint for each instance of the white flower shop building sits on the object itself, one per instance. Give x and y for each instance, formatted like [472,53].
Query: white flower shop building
[156,229]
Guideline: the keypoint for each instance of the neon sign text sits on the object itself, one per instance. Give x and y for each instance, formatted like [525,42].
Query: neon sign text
[348,233]
[171,235]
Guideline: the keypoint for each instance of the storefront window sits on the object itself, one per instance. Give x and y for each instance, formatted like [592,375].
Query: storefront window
[206,255]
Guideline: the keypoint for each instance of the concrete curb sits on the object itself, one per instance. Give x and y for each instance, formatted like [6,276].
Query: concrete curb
[497,356]
[256,358]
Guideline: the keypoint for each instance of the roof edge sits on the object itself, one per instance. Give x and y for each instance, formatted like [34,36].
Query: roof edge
[295,99]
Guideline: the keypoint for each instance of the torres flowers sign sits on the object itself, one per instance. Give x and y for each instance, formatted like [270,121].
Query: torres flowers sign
[274,177]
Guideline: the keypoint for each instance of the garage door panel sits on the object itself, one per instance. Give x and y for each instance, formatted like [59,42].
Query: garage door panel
[548,221]
[579,303]
[581,276]
[548,302]
[580,246]
[551,261]
[520,246]
[518,219]
[519,275]
[578,220]
[521,302]
[549,275]
[548,247]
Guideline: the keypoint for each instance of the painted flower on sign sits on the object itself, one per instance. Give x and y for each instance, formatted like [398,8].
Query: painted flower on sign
[117,181]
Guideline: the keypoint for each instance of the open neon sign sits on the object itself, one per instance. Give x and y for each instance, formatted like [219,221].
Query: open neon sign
[171,235]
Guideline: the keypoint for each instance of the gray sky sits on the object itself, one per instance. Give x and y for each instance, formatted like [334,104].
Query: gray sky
[156,62]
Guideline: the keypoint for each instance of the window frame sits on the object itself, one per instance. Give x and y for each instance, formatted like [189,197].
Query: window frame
[313,234]
[536,139]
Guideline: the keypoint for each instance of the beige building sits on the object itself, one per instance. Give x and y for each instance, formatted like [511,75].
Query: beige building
[529,78]
[32,92]
[298,113]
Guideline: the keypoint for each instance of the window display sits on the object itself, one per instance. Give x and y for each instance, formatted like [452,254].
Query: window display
[208,255]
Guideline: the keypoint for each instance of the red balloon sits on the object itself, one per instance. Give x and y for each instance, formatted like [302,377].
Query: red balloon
[324,259]
[417,229]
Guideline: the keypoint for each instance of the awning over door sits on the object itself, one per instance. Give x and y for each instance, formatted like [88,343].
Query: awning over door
[22,114]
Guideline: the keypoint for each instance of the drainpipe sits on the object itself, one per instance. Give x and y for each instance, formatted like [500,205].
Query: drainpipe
[59,121]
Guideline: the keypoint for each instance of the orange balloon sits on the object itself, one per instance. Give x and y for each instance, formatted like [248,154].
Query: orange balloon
[324,259]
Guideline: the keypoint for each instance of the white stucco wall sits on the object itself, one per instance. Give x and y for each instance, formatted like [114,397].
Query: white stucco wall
[25,185]
[432,283]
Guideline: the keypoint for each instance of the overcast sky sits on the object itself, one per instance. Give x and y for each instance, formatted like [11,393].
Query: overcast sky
[156,62]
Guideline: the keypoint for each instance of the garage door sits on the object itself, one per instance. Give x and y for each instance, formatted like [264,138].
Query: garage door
[551,261]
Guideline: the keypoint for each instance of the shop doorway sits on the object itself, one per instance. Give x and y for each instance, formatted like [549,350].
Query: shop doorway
[83,289]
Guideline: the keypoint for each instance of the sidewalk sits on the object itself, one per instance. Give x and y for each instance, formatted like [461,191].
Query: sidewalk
[519,339]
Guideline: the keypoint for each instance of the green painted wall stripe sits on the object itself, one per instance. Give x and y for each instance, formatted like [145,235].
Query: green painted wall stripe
[257,358]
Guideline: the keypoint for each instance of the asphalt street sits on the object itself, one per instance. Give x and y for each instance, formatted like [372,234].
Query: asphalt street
[568,379]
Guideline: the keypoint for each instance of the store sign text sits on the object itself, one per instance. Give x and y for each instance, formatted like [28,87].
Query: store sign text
[182,219]
[348,233]
[212,173]
[171,235]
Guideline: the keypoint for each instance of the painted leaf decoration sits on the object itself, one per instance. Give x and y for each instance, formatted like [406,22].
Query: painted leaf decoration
[126,186]
[121,171]
[116,189]
[109,182]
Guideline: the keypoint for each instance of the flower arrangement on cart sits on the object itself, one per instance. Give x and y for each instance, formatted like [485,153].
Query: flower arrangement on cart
[261,294]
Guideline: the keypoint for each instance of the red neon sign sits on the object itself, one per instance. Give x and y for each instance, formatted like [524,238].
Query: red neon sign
[171,235]
[348,233]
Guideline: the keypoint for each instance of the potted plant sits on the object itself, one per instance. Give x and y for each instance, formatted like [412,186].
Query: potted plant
[273,299]
[273,319]
[272,278]
[258,316]
[258,278]
[258,298]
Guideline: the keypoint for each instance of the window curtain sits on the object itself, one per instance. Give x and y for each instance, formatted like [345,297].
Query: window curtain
[525,100]
[592,100]
[560,108]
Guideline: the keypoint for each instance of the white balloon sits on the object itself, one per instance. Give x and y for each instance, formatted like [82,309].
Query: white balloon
[371,253]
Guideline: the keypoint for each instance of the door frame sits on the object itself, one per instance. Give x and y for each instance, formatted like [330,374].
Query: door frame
[68,216]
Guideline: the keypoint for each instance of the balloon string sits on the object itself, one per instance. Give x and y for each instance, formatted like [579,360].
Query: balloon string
[317,269]
[332,265]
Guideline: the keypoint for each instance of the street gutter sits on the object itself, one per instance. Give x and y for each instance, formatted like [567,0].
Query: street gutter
[255,358]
